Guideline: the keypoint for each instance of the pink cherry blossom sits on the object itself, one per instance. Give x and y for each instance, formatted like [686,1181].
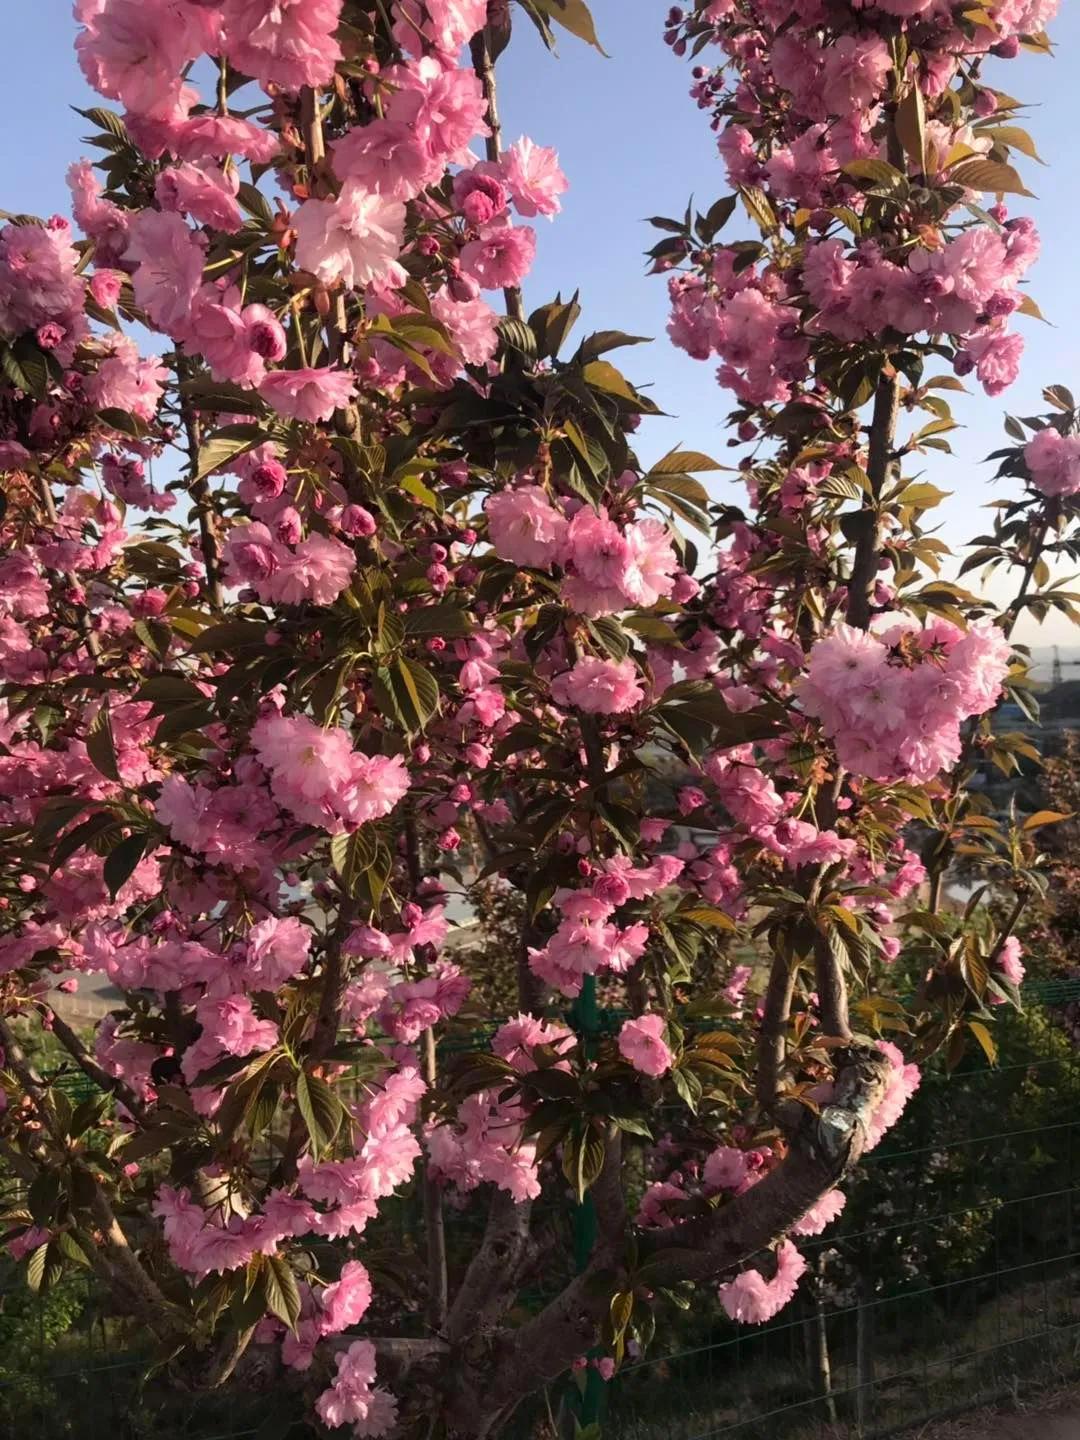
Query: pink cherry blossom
[751,1299]
[524,526]
[599,687]
[1054,462]
[502,255]
[289,43]
[169,266]
[354,1399]
[311,394]
[352,240]
[535,180]
[642,1042]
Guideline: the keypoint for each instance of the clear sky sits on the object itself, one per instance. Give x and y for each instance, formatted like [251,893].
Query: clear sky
[633,144]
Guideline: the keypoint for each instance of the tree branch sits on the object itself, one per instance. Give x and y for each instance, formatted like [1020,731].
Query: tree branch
[125,1271]
[491,1281]
[201,493]
[335,978]
[95,1072]
[772,1035]
[831,990]
[823,1151]
[484,65]
[882,438]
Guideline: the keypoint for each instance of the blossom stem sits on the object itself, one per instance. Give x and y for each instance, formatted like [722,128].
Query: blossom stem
[484,65]
[93,1071]
[203,497]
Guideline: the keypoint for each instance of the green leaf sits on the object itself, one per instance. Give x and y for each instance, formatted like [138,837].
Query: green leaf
[1028,307]
[121,861]
[446,620]
[280,1291]
[230,635]
[759,207]
[708,915]
[880,172]
[26,367]
[255,203]
[572,15]
[680,462]
[416,693]
[1059,397]
[988,175]
[710,224]
[689,1087]
[35,1268]
[1045,817]
[74,840]
[321,1110]
[911,128]
[583,1161]
[124,422]
[352,855]
[553,322]
[389,630]
[69,1247]
[603,376]
[44,1197]
[225,445]
[100,745]
[985,1039]
[605,340]
[923,497]
[610,636]
[220,396]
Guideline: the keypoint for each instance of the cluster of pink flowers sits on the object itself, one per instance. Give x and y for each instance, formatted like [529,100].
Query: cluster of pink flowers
[216,863]
[893,701]
[354,1398]
[642,1043]
[588,940]
[485,1144]
[315,569]
[432,108]
[318,776]
[1053,460]
[599,687]
[800,103]
[40,288]
[607,567]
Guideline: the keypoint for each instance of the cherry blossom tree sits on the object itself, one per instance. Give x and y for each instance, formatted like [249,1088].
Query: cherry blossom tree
[334,594]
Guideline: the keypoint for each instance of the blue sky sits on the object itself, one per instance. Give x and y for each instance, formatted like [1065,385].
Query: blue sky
[633,144]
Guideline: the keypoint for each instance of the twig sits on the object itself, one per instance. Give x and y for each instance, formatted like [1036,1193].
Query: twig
[201,493]
[90,1068]
[484,65]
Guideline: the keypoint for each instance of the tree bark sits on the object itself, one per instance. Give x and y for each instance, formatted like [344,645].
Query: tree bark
[867,542]
[823,1150]
[772,1037]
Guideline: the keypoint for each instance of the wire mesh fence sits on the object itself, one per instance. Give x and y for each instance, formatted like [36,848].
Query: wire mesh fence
[950,1280]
